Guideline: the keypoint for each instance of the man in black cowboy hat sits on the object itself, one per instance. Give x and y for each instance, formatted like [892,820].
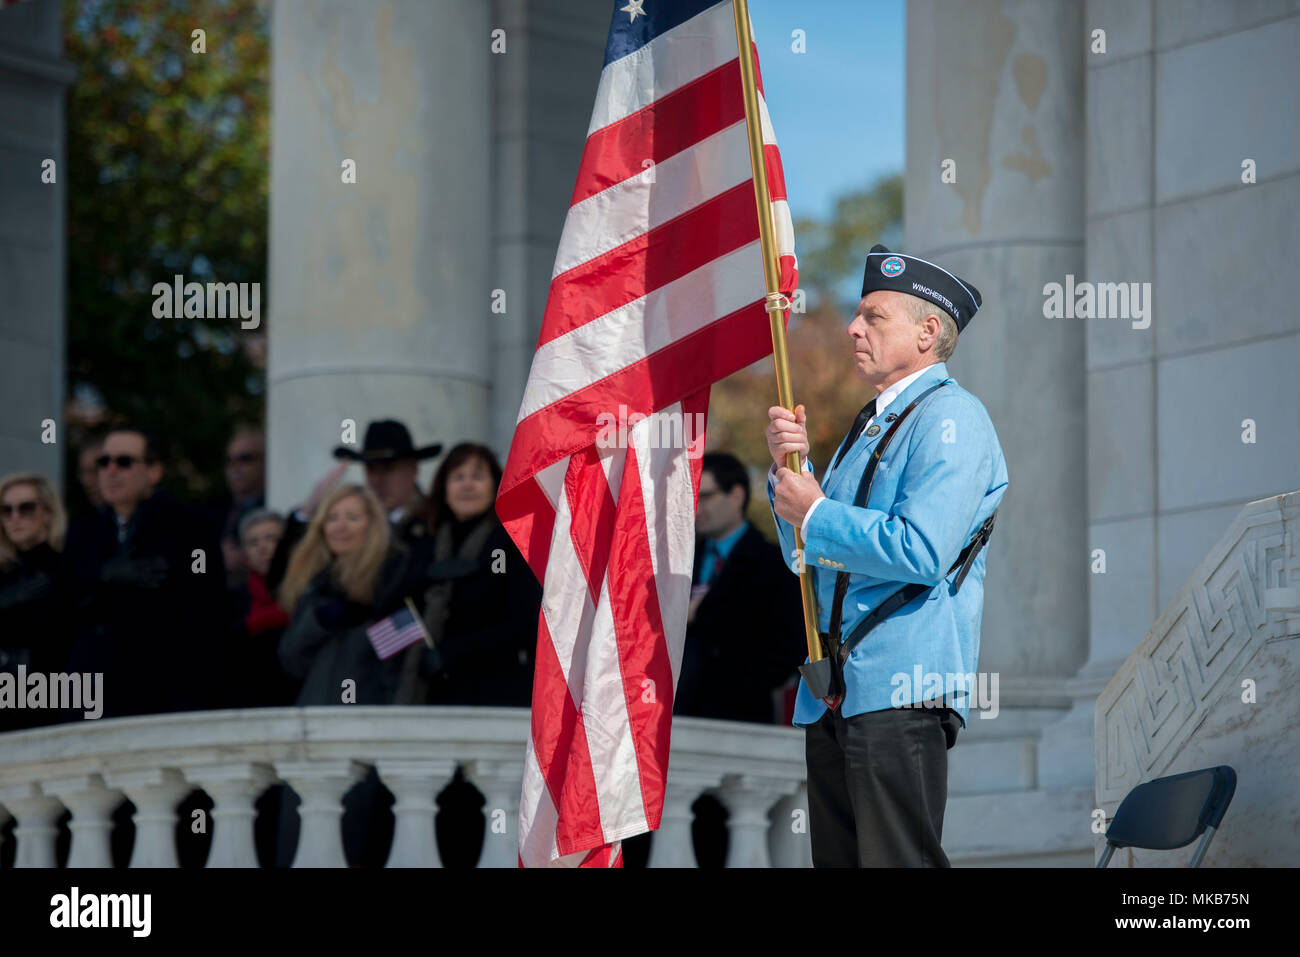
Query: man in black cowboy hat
[392,465]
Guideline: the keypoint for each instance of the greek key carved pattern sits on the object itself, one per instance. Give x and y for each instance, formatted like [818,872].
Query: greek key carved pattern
[1195,648]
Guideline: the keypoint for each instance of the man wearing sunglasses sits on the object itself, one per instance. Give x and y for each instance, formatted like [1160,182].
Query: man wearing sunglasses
[146,609]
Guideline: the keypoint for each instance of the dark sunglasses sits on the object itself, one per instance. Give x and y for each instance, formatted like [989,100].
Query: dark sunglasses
[27,509]
[121,461]
[243,458]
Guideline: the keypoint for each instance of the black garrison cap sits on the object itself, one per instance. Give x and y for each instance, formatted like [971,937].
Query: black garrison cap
[925,280]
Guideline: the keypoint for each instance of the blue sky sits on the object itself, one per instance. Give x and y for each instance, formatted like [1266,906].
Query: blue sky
[837,108]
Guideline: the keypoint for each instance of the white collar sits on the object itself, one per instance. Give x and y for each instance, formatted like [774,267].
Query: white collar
[894,391]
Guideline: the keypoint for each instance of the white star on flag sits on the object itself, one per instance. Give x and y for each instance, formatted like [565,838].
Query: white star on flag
[632,9]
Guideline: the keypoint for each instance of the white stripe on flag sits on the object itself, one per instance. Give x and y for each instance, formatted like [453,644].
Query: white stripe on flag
[664,64]
[635,206]
[627,335]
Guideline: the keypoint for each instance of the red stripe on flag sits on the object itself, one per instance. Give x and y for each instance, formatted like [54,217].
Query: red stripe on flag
[642,640]
[560,746]
[775,173]
[691,113]
[655,382]
[650,261]
[591,511]
[530,522]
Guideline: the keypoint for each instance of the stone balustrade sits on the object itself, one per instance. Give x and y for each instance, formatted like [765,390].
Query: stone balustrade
[87,768]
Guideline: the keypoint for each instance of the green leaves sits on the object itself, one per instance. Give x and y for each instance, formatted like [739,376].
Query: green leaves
[167,168]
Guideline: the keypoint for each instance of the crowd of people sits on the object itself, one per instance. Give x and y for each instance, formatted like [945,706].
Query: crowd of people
[231,605]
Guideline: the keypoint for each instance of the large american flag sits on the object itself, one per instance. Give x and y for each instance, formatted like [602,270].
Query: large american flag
[657,291]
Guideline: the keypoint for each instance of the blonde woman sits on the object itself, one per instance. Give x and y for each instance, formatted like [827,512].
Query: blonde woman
[32,526]
[344,574]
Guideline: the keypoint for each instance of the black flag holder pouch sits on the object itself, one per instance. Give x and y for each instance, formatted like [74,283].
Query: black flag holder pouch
[825,677]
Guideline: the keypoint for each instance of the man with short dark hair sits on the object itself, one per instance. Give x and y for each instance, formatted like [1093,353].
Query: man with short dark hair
[146,575]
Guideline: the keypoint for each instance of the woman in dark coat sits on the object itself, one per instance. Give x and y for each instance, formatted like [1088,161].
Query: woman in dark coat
[32,526]
[482,602]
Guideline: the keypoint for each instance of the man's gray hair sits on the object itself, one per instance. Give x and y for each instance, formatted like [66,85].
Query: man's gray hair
[256,517]
[946,344]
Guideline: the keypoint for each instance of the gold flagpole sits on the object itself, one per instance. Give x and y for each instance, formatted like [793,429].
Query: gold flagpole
[777,304]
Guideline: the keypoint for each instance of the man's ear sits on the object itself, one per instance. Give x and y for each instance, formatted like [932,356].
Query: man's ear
[737,495]
[155,472]
[931,327]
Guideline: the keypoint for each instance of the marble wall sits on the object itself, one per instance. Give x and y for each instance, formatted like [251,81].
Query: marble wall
[33,271]
[1184,94]
[383,291]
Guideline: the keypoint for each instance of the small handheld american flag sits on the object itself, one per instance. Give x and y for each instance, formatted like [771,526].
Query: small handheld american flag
[398,631]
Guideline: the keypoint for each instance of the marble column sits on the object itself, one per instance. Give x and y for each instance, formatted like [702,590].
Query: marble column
[749,800]
[321,785]
[545,84]
[672,845]
[155,794]
[233,788]
[35,811]
[790,842]
[379,303]
[33,270]
[91,804]
[994,192]
[501,783]
[415,784]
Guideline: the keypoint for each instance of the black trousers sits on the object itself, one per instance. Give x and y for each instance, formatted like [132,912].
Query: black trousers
[877,786]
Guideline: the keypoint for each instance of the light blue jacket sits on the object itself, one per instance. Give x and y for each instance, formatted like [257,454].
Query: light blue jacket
[942,475]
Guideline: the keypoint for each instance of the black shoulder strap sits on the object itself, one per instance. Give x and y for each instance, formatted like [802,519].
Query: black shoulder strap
[912,590]
[860,499]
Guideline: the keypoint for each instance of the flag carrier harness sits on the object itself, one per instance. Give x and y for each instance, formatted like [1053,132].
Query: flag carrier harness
[825,676]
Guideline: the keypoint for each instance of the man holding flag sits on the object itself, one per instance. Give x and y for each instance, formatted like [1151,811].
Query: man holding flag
[676,251]
[894,532]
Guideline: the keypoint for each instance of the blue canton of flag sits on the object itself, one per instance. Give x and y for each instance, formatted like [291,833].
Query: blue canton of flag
[399,630]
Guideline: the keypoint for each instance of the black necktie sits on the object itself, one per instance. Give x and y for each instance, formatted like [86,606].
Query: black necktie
[859,424]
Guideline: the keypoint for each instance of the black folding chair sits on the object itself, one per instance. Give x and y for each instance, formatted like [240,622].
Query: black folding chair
[1172,812]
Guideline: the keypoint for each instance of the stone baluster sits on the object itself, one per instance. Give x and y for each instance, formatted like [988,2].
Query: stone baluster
[91,804]
[415,784]
[672,845]
[155,792]
[321,786]
[501,783]
[233,787]
[788,841]
[748,799]
[35,812]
